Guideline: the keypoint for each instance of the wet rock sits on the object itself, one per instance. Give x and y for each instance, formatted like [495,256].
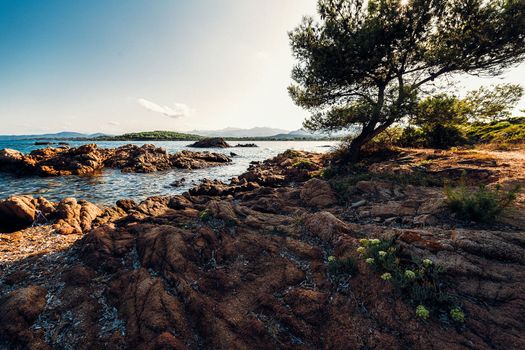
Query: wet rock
[212,142]
[88,159]
[197,160]
[126,204]
[246,145]
[178,183]
[135,159]
[22,211]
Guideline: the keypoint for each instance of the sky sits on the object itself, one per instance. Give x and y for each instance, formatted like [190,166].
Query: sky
[118,66]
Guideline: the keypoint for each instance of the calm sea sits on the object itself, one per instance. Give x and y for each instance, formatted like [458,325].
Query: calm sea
[111,185]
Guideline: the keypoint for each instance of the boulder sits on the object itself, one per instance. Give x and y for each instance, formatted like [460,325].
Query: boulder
[318,193]
[326,226]
[21,211]
[212,142]
[246,145]
[75,217]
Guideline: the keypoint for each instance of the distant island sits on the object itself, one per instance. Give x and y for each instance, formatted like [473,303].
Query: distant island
[177,136]
[163,135]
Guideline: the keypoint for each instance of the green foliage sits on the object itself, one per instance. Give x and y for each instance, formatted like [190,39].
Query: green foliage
[422,312]
[156,135]
[290,153]
[205,215]
[492,104]
[364,63]
[441,109]
[482,204]
[306,164]
[444,136]
[419,282]
[340,270]
[457,315]
[412,137]
[505,131]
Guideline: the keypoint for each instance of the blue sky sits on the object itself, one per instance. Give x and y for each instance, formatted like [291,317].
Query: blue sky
[130,65]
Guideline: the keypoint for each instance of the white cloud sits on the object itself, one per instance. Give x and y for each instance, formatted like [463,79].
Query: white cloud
[113,122]
[178,110]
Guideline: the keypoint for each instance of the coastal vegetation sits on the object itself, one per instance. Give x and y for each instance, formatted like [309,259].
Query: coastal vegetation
[402,237]
[368,63]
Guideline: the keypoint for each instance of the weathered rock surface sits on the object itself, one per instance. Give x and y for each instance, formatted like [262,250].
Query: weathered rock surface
[211,142]
[88,159]
[66,217]
[233,267]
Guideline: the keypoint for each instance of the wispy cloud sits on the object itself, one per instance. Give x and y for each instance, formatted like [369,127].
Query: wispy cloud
[177,110]
[114,123]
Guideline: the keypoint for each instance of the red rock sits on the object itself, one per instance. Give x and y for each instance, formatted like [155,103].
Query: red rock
[318,193]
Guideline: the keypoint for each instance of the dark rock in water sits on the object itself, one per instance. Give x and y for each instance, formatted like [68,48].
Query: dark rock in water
[178,183]
[88,159]
[246,145]
[63,144]
[143,159]
[126,204]
[43,143]
[233,154]
[212,142]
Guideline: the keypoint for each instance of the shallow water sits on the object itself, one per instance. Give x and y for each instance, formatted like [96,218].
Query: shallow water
[110,185]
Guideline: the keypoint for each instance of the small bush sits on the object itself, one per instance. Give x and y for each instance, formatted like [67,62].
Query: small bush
[444,136]
[419,282]
[341,270]
[412,137]
[305,164]
[480,205]
[290,153]
[205,215]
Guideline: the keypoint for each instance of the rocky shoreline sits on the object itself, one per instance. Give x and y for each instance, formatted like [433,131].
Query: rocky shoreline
[89,159]
[246,265]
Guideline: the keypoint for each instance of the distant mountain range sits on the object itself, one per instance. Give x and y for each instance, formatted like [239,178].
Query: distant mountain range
[228,133]
[238,132]
[261,132]
[59,135]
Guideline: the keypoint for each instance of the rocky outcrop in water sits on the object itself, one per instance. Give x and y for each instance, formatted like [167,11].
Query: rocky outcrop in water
[88,159]
[212,142]
[245,265]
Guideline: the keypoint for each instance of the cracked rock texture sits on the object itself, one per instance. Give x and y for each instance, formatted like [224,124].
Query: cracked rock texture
[244,266]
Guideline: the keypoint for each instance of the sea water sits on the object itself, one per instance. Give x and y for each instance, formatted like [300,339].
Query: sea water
[110,185]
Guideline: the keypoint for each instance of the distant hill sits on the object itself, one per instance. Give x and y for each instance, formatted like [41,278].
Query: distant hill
[59,135]
[238,132]
[178,136]
[157,135]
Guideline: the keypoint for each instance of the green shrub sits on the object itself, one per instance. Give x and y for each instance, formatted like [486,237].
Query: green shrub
[290,153]
[412,137]
[205,215]
[340,270]
[419,282]
[444,136]
[510,131]
[305,164]
[480,205]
